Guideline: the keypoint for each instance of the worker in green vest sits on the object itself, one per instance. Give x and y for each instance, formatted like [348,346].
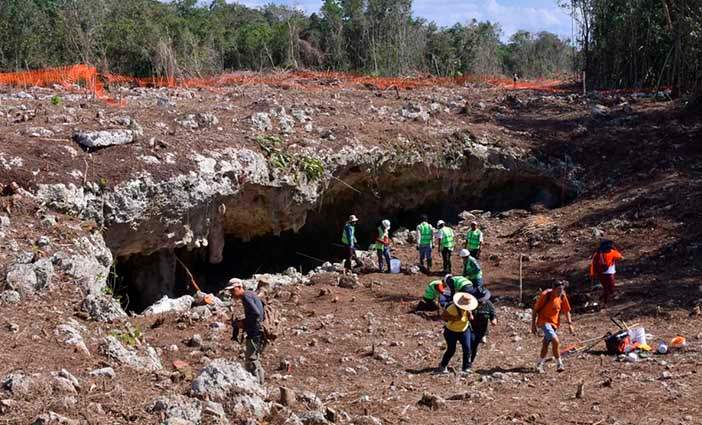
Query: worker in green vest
[471,268]
[456,284]
[433,291]
[446,244]
[474,240]
[425,241]
[348,240]
[382,244]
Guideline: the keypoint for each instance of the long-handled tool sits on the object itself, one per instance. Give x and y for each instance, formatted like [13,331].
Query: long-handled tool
[207,298]
[582,346]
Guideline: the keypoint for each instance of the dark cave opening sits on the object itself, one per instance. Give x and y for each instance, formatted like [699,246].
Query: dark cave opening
[146,278]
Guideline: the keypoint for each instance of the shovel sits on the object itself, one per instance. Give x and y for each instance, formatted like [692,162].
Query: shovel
[582,346]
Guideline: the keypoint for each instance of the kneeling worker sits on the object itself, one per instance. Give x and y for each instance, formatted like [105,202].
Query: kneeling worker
[433,291]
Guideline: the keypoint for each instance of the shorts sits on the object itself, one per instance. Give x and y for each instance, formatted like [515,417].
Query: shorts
[549,332]
[424,252]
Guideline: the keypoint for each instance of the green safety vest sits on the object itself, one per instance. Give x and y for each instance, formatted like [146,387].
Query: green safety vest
[446,237]
[460,282]
[381,235]
[472,270]
[345,239]
[473,238]
[431,292]
[425,234]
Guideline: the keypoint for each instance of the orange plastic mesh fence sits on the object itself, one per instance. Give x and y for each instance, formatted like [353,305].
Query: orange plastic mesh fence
[86,77]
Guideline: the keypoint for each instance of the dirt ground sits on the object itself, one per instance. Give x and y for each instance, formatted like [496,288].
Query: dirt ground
[363,350]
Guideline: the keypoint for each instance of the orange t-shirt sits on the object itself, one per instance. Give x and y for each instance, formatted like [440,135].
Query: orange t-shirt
[549,308]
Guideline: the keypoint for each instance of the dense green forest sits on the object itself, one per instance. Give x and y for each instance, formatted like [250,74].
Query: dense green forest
[640,43]
[189,38]
[620,43]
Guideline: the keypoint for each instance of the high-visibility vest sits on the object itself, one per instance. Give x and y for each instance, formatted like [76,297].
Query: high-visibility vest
[425,234]
[473,238]
[446,237]
[381,239]
[460,282]
[431,292]
[345,239]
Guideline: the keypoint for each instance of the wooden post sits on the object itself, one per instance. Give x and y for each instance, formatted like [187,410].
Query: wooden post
[584,85]
[521,256]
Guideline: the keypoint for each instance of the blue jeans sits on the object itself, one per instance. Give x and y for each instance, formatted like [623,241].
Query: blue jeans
[383,253]
[425,254]
[452,338]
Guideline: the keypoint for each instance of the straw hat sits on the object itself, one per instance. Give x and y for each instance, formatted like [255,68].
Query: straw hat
[465,301]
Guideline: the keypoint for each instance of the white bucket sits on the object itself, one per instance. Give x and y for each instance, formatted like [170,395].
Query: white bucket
[637,335]
[395,265]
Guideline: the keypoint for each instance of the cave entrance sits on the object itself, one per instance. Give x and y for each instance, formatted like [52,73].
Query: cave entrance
[146,278]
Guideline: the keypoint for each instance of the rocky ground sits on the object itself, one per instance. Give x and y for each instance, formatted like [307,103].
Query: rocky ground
[352,351]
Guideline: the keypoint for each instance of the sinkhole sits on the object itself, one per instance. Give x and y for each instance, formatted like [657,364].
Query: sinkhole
[143,279]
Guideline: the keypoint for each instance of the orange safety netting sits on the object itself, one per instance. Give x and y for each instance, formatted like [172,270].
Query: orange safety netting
[87,78]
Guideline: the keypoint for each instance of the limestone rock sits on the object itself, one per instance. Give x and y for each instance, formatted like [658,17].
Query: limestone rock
[105,372]
[414,112]
[105,138]
[348,281]
[70,334]
[149,361]
[314,417]
[165,305]
[178,406]
[30,278]
[262,121]
[103,308]
[223,380]
[53,418]
[10,297]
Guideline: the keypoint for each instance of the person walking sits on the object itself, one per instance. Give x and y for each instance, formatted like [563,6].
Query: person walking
[252,324]
[603,267]
[382,244]
[348,240]
[474,240]
[483,316]
[425,241]
[432,293]
[446,244]
[547,315]
[457,330]
[471,268]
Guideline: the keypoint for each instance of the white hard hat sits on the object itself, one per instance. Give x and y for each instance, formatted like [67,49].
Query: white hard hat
[447,278]
[386,224]
[440,223]
[353,218]
[464,253]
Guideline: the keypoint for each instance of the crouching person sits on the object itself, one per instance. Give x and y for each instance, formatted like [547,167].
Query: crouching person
[252,325]
[457,330]
[433,291]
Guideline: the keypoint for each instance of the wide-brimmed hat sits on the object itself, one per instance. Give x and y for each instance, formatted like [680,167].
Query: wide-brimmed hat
[234,283]
[465,301]
[353,218]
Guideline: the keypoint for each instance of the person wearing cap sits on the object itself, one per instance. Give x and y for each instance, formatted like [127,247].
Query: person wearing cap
[457,316]
[483,316]
[382,244]
[433,292]
[348,240]
[425,242]
[471,268]
[603,267]
[446,244]
[474,240]
[546,316]
[252,325]
[456,284]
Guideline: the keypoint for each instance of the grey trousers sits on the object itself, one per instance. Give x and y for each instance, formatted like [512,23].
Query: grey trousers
[254,351]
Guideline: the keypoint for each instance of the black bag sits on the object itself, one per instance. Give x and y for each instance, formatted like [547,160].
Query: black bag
[617,343]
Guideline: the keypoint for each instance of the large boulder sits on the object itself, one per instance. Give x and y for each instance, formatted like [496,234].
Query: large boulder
[88,264]
[165,305]
[227,381]
[149,361]
[105,138]
[29,278]
[103,308]
[178,406]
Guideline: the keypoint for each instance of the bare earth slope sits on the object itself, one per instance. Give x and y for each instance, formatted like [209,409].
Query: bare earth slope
[357,355]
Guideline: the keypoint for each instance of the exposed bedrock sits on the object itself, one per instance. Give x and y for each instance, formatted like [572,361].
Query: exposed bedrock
[240,194]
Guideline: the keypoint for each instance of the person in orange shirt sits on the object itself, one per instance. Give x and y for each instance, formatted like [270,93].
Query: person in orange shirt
[547,316]
[603,267]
